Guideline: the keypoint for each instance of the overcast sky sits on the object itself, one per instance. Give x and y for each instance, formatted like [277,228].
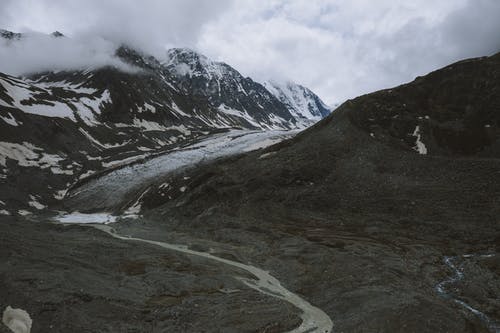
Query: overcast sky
[338,48]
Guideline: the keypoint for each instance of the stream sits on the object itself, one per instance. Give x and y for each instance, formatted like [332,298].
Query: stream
[458,275]
[314,320]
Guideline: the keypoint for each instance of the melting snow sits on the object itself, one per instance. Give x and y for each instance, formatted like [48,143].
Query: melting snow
[134,210]
[59,195]
[125,161]
[29,155]
[179,111]
[99,144]
[9,119]
[147,107]
[86,174]
[240,114]
[18,320]
[420,147]
[149,125]
[78,218]
[266,155]
[35,204]
[85,106]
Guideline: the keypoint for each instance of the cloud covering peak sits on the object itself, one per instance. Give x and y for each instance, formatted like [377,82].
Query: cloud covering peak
[339,49]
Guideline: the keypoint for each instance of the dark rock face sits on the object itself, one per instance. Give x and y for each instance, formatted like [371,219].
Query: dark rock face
[455,108]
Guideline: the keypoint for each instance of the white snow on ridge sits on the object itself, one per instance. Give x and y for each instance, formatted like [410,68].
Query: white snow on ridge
[85,106]
[28,155]
[241,114]
[179,111]
[9,119]
[99,144]
[148,125]
[147,107]
[68,86]
[184,62]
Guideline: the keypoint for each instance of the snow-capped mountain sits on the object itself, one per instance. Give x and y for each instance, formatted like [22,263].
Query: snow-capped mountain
[62,126]
[226,90]
[304,105]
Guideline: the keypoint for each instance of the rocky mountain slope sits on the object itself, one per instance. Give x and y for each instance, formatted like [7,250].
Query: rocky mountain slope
[367,205]
[384,216]
[63,126]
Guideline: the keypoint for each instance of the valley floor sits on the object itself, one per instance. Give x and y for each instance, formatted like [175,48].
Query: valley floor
[364,271]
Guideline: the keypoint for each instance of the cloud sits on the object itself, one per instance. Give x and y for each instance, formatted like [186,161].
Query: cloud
[95,29]
[37,52]
[343,49]
[148,24]
[339,49]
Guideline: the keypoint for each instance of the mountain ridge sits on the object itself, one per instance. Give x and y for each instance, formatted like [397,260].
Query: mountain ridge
[62,126]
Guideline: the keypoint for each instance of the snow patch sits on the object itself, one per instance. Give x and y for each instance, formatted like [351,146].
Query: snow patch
[179,111]
[86,174]
[59,195]
[125,161]
[80,218]
[99,144]
[84,104]
[9,119]
[420,146]
[262,144]
[18,320]
[148,125]
[29,155]
[238,113]
[266,155]
[135,209]
[35,204]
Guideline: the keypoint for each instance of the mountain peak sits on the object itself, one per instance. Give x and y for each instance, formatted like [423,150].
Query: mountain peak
[187,62]
[302,101]
[57,34]
[10,35]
